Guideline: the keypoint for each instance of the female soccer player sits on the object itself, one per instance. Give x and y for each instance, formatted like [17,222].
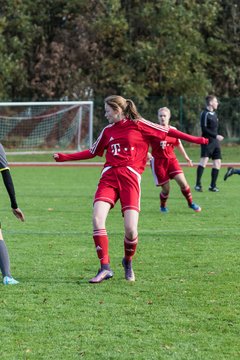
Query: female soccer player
[4,257]
[125,141]
[165,165]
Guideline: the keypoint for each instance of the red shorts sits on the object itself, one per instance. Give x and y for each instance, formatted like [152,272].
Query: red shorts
[165,169]
[120,183]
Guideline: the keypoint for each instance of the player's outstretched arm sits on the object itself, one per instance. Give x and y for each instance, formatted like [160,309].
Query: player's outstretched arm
[7,179]
[183,136]
[81,155]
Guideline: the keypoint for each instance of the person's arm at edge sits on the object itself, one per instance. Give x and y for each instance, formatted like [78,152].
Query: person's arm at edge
[7,180]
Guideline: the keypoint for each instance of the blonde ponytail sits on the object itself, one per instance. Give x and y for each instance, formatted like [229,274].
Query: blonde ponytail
[128,107]
[131,110]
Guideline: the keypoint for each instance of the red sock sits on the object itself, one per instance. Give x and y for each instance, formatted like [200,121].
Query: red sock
[130,247]
[101,242]
[187,194]
[163,199]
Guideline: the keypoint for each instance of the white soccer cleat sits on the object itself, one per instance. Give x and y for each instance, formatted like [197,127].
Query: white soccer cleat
[7,280]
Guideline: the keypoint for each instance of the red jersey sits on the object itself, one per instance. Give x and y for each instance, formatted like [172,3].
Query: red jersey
[164,148]
[126,143]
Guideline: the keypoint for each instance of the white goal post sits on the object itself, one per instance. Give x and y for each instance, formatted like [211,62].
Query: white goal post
[35,127]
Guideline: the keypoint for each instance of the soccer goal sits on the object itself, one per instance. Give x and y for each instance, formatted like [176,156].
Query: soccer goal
[34,127]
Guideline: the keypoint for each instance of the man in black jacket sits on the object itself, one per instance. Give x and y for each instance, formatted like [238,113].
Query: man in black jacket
[209,126]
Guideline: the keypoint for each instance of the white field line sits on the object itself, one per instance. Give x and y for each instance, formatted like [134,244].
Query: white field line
[88,163]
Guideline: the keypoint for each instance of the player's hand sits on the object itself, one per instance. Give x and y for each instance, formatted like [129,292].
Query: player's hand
[59,157]
[205,141]
[56,156]
[149,156]
[19,214]
[220,137]
[190,163]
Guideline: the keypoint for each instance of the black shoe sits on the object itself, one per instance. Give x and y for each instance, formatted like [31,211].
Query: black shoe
[213,189]
[230,172]
[198,188]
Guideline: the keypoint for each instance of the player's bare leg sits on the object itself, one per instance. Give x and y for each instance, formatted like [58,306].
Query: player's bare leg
[130,242]
[164,195]
[100,213]
[186,191]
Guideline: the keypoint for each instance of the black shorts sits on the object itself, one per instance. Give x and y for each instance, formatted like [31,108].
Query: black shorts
[211,150]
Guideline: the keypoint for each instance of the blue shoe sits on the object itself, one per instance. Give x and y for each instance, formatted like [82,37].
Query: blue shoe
[195,207]
[230,172]
[164,209]
[129,274]
[7,280]
[101,275]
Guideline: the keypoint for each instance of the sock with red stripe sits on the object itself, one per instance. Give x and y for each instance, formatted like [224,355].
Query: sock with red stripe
[130,247]
[163,199]
[187,194]
[101,243]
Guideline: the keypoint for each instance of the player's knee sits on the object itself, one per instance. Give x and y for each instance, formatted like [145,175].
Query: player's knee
[131,233]
[217,164]
[203,162]
[98,222]
[184,187]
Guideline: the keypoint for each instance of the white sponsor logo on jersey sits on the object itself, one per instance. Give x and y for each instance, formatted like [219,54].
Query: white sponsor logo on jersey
[115,148]
[163,144]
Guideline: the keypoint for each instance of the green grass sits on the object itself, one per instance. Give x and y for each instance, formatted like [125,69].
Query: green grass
[184,304]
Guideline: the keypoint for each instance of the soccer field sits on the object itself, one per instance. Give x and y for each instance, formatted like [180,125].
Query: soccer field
[185,301]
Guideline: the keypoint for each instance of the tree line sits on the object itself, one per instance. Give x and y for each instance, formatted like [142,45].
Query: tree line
[142,49]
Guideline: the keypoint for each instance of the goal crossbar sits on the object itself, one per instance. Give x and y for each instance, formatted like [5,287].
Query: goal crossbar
[32,125]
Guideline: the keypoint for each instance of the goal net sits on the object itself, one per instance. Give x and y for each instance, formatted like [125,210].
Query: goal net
[45,126]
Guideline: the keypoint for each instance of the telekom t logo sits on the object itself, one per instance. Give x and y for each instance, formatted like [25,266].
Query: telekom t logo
[115,148]
[163,144]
